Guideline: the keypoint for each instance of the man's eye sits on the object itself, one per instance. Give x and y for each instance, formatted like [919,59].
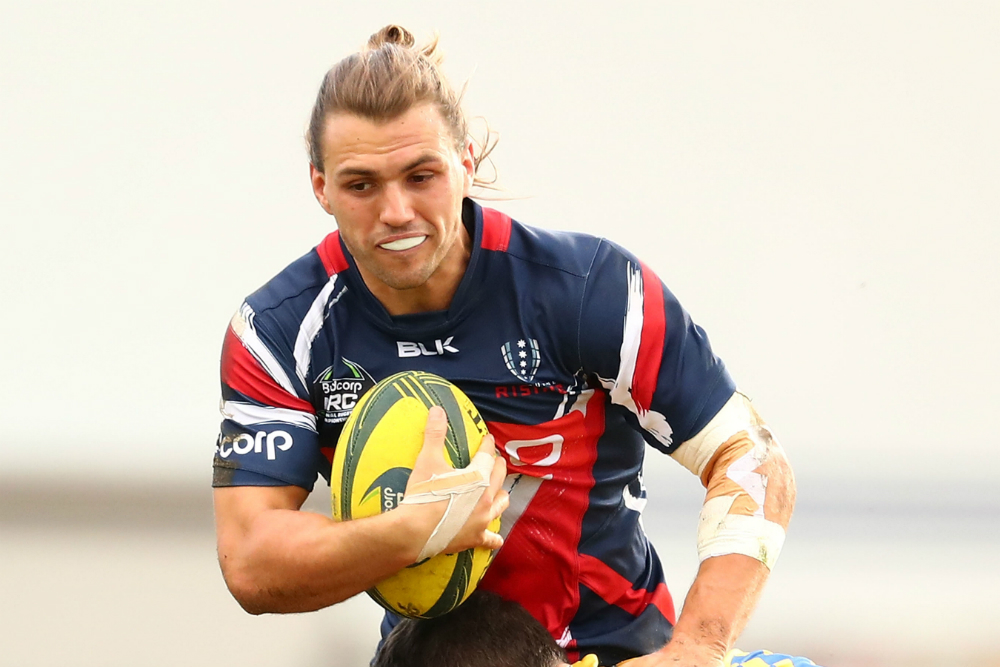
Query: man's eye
[421,177]
[359,187]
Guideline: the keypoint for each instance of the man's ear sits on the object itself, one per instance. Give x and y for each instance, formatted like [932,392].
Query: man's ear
[469,164]
[318,179]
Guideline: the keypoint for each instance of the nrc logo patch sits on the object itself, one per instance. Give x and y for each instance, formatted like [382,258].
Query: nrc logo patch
[335,397]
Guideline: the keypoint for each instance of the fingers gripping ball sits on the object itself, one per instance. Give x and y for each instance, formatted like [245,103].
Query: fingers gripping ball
[374,457]
[461,490]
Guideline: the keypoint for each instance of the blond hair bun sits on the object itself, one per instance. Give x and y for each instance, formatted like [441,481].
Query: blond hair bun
[392,34]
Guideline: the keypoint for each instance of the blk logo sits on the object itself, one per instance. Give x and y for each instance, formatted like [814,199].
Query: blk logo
[439,347]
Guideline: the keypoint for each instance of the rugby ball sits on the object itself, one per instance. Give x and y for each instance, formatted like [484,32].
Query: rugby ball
[372,463]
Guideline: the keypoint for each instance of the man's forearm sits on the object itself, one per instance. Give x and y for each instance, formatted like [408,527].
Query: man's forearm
[718,605]
[727,587]
[293,561]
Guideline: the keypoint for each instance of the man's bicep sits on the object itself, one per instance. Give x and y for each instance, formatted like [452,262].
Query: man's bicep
[237,507]
[244,520]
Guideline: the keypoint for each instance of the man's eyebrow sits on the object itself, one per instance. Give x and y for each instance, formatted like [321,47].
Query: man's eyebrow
[423,159]
[354,171]
[370,173]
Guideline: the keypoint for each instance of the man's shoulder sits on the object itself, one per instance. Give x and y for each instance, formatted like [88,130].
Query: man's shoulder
[290,293]
[305,274]
[576,253]
[566,251]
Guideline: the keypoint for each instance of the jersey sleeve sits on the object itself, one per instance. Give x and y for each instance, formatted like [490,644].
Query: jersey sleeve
[268,435]
[647,352]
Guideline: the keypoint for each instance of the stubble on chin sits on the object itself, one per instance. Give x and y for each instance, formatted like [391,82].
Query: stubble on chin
[401,281]
[403,278]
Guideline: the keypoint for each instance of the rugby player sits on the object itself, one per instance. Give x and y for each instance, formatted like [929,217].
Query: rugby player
[487,630]
[575,353]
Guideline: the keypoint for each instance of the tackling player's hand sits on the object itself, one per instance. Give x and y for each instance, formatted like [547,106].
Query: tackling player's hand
[474,532]
[678,655]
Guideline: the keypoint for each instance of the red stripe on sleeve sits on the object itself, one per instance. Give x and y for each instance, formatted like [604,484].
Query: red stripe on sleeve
[654,330]
[240,371]
[615,589]
[331,254]
[496,230]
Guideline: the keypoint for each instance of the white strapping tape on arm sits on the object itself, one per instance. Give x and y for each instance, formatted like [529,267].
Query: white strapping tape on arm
[694,454]
[462,489]
[719,532]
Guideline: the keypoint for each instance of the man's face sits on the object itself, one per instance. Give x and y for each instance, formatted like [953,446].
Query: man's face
[396,189]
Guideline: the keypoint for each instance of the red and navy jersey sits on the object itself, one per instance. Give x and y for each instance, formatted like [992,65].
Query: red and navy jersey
[575,354]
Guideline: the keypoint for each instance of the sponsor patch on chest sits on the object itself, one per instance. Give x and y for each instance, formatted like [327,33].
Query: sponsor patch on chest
[335,397]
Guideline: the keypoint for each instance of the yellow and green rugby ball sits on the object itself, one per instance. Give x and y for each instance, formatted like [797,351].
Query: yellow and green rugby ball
[374,457]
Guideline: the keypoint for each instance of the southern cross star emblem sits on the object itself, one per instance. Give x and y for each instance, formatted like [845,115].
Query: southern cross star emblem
[524,364]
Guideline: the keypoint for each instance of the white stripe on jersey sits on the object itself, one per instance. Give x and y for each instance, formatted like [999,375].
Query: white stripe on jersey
[248,414]
[242,324]
[621,391]
[620,388]
[522,489]
[309,329]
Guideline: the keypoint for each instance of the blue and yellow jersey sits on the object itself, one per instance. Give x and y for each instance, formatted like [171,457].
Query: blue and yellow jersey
[737,658]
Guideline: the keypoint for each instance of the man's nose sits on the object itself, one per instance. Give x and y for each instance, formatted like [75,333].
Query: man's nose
[396,206]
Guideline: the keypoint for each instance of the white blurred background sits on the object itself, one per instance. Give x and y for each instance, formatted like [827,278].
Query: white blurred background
[819,183]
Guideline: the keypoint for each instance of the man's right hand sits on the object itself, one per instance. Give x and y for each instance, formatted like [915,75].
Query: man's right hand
[433,478]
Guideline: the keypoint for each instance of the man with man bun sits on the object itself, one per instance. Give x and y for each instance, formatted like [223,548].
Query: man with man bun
[575,353]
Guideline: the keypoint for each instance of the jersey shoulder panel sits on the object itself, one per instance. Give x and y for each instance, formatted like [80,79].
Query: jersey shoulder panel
[306,274]
[569,252]
[287,312]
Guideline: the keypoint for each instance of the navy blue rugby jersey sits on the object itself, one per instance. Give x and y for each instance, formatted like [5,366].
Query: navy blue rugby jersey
[575,354]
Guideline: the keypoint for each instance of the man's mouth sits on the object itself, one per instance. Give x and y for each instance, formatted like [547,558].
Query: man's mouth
[404,243]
